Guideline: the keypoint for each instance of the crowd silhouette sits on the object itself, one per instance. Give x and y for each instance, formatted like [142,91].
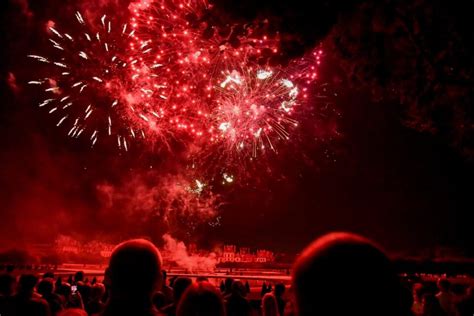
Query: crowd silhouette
[337,274]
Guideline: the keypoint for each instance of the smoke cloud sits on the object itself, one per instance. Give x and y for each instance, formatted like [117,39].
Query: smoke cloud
[176,251]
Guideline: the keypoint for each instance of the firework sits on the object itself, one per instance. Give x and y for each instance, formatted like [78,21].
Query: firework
[254,110]
[256,113]
[175,71]
[185,49]
[217,76]
[88,83]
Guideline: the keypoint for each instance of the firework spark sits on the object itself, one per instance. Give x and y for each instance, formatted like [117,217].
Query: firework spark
[87,82]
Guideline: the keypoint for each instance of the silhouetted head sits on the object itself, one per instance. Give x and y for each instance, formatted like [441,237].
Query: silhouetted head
[228,285]
[279,289]
[238,288]
[27,283]
[179,286]
[345,274]
[46,286]
[79,276]
[7,283]
[444,285]
[269,305]
[134,270]
[201,299]
[72,312]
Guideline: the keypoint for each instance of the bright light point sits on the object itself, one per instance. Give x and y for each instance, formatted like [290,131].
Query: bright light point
[287,83]
[224,126]
[264,74]
[228,178]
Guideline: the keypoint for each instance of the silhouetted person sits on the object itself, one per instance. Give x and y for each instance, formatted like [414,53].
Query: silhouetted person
[7,285]
[236,303]
[431,306]
[179,287]
[25,302]
[95,304]
[222,287]
[166,290]
[269,305]
[85,290]
[345,274]
[106,283]
[69,299]
[264,289]
[57,284]
[134,273]
[46,289]
[279,291]
[201,299]
[78,277]
[228,286]
[247,287]
[445,297]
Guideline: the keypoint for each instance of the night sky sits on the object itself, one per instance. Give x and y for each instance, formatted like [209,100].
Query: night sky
[399,170]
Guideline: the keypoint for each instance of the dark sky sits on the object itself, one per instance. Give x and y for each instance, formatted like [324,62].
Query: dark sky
[401,171]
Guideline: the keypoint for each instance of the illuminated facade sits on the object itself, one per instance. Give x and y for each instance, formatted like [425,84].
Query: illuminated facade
[231,253]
